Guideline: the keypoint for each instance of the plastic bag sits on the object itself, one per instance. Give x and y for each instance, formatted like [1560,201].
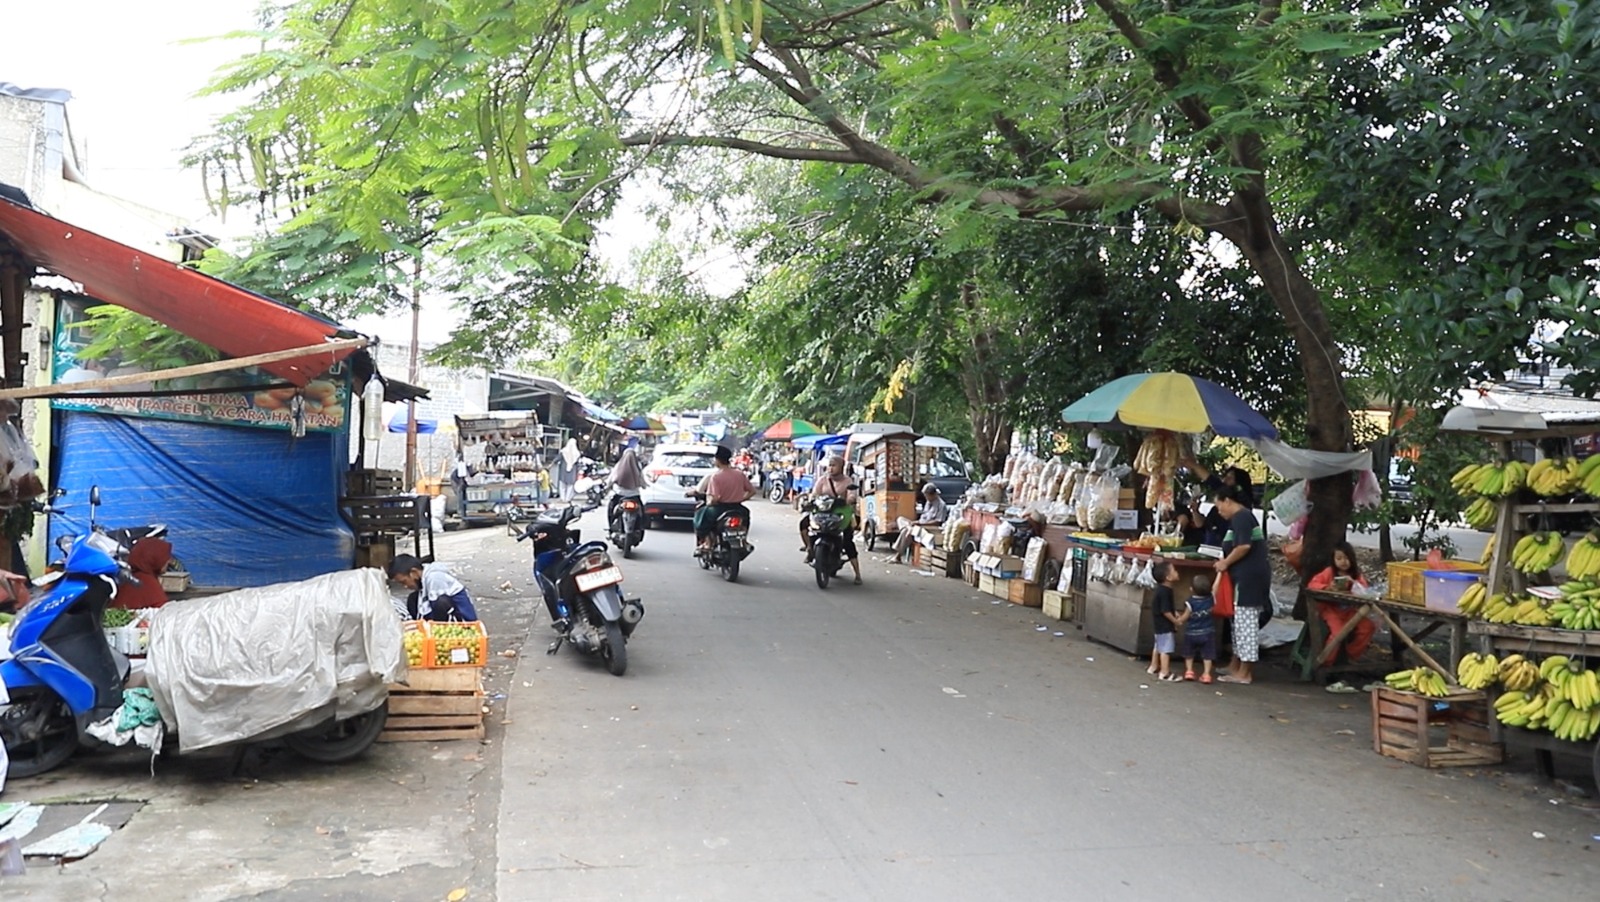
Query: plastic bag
[1291,504]
[1367,494]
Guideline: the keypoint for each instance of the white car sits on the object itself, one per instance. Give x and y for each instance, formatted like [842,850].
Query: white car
[674,470]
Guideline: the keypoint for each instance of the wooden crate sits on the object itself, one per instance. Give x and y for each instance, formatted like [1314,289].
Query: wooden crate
[436,705]
[1057,605]
[990,585]
[1405,725]
[1030,595]
[969,575]
[945,563]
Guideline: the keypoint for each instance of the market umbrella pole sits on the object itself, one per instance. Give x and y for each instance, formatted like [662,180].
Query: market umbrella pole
[411,405]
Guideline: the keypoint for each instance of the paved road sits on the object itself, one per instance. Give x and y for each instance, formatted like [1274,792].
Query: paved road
[906,739]
[910,740]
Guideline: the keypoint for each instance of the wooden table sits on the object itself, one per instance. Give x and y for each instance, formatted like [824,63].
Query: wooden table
[1389,612]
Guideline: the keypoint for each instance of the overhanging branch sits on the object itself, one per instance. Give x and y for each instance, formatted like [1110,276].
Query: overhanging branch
[778,151]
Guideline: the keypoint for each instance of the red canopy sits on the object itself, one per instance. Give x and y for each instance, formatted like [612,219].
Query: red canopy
[236,322]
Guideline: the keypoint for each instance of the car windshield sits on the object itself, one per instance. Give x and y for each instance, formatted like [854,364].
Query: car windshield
[943,463]
[691,460]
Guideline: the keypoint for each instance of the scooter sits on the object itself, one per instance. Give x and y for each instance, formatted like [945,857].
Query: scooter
[582,590]
[64,675]
[728,544]
[627,523]
[827,539]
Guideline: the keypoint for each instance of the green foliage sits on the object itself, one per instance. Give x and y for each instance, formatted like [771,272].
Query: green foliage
[132,339]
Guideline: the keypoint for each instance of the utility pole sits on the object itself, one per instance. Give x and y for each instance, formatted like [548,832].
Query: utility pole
[411,404]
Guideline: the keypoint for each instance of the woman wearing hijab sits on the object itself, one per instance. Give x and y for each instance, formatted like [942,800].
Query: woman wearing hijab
[567,469]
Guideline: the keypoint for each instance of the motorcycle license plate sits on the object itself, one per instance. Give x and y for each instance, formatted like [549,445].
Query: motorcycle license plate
[594,579]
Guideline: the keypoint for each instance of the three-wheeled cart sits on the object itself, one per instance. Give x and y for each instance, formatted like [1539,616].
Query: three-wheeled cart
[888,485]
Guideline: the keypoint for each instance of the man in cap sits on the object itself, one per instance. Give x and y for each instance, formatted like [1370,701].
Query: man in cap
[934,512]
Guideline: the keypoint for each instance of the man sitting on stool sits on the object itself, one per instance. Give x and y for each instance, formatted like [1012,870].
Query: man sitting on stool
[934,512]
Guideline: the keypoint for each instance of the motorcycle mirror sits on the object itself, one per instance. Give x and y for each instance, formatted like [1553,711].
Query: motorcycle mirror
[94,496]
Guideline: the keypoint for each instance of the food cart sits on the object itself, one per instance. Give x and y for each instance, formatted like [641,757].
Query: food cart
[503,452]
[888,484]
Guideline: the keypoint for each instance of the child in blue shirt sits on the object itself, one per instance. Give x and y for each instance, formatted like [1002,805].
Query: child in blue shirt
[1199,629]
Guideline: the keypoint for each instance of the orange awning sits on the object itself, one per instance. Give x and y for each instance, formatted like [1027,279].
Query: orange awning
[236,322]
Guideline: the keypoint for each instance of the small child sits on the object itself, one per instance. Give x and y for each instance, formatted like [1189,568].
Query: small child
[435,594]
[1199,631]
[1165,618]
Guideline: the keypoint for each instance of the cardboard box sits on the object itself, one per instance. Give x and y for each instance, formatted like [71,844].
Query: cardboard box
[1001,566]
[1029,595]
[1057,605]
[1033,560]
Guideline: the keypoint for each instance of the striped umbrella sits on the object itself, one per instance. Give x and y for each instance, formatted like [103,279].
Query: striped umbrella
[1172,401]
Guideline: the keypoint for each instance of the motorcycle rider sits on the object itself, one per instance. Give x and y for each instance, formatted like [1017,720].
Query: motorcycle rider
[836,484]
[726,490]
[626,479]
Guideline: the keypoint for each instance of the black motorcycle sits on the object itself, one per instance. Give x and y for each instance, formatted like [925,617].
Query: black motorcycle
[582,589]
[627,523]
[827,539]
[728,544]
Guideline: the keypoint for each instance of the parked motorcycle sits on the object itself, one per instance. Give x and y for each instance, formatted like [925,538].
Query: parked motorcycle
[827,539]
[728,545]
[627,523]
[582,589]
[64,675]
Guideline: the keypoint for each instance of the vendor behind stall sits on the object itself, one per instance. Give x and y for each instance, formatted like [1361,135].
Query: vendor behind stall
[1216,525]
[435,593]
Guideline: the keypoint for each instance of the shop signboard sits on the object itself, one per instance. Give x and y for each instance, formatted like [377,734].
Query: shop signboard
[246,397]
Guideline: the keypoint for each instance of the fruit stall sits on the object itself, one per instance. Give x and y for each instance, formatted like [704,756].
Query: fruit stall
[1535,615]
[442,696]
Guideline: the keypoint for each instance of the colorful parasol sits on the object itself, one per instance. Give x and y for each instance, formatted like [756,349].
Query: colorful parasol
[1171,401]
[642,423]
[789,429]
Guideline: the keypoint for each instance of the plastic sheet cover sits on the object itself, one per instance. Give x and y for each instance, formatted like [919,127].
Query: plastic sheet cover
[243,506]
[259,662]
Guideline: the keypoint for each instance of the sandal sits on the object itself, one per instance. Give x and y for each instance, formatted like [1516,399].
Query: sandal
[1188,676]
[1170,678]
[1205,678]
[1340,687]
[1230,678]
[1151,670]
[858,580]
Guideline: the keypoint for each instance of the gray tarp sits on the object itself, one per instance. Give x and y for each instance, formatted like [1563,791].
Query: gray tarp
[262,661]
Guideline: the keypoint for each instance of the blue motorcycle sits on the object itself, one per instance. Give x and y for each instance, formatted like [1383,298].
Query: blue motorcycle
[63,675]
[582,589]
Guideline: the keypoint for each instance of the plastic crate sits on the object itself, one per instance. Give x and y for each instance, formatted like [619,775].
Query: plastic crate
[1407,584]
[466,651]
[1442,589]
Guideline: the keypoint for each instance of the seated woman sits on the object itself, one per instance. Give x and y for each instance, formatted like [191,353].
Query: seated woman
[1345,574]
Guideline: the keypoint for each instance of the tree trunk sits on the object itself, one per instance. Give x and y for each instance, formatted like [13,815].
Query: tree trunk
[1255,232]
[986,390]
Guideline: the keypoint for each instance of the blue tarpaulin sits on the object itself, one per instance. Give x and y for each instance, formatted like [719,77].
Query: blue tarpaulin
[243,506]
[595,411]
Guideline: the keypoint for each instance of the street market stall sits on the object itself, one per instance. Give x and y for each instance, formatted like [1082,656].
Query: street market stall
[1536,612]
[888,485]
[504,453]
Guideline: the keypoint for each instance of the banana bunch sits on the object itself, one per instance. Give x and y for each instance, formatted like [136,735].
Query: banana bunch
[1472,601]
[1574,683]
[1488,550]
[1554,476]
[1579,607]
[1425,680]
[1481,513]
[1583,562]
[1531,611]
[1589,475]
[1518,673]
[1537,552]
[1498,609]
[1568,722]
[1490,480]
[1477,671]
[1523,708]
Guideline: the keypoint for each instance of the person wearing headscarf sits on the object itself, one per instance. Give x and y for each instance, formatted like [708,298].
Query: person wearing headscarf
[626,480]
[566,475]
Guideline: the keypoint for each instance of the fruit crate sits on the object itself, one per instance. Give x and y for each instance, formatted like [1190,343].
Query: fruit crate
[1452,731]
[436,705]
[444,650]
[1407,585]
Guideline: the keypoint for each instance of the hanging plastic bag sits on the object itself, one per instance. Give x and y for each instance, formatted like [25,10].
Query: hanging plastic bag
[1291,504]
[1367,493]
[1222,592]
